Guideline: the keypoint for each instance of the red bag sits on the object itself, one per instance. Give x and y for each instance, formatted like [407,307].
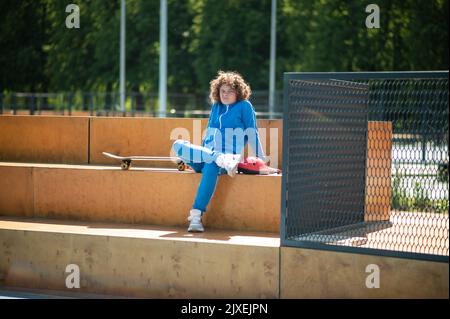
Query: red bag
[256,166]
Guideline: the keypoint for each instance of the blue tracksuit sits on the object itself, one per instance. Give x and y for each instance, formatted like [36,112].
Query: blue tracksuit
[230,128]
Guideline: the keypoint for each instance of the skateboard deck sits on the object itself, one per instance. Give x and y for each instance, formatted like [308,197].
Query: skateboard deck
[126,160]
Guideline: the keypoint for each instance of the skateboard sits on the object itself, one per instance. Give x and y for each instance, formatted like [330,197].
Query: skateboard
[126,160]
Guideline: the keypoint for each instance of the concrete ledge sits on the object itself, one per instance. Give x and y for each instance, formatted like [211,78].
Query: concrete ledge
[65,139]
[307,273]
[137,136]
[142,196]
[167,262]
[16,191]
[81,140]
[146,262]
[44,139]
[155,136]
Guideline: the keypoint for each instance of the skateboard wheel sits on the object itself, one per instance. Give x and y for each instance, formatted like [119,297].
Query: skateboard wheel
[181,166]
[125,165]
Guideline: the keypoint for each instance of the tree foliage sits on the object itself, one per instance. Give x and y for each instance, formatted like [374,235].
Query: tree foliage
[40,54]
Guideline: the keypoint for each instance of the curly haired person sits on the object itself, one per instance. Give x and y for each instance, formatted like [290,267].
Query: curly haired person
[231,126]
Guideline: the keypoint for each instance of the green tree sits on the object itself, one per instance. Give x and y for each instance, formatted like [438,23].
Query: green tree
[40,54]
[232,35]
[426,35]
[22,35]
[330,35]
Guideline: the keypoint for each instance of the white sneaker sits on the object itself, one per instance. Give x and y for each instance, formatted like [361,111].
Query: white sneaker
[229,162]
[196,221]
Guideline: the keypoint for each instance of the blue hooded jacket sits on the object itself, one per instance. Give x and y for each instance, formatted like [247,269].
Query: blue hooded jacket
[231,127]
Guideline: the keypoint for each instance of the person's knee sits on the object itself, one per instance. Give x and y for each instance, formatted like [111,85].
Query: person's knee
[177,146]
[179,143]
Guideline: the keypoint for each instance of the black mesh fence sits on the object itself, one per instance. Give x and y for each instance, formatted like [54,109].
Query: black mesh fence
[366,163]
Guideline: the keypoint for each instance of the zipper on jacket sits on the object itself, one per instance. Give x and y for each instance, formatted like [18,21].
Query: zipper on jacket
[220,117]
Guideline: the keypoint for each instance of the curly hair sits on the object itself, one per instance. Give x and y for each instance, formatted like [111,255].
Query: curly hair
[234,80]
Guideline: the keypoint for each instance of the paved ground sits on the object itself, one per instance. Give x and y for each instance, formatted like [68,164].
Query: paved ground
[15,294]
[20,293]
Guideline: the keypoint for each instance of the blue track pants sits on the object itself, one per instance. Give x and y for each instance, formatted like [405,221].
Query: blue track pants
[201,160]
